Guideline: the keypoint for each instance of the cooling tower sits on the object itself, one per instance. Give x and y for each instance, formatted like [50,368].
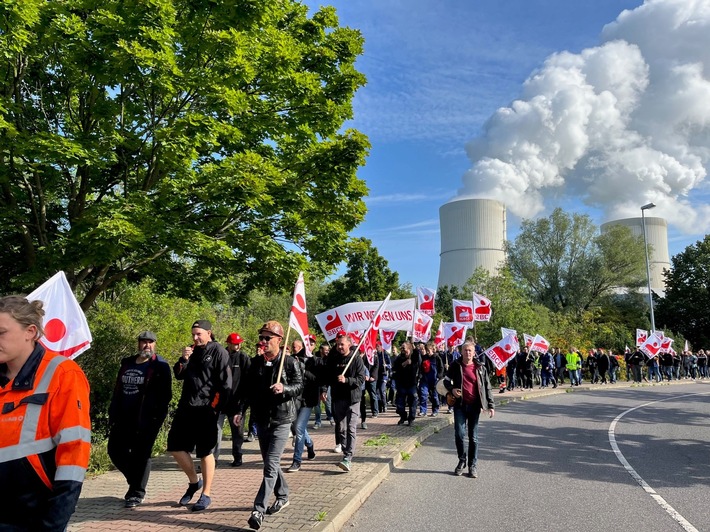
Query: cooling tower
[472,236]
[657,238]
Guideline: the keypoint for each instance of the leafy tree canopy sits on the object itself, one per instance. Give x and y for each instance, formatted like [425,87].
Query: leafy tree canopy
[198,143]
[685,308]
[567,266]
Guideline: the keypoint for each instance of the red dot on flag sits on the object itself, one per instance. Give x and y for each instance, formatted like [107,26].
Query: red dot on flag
[55,330]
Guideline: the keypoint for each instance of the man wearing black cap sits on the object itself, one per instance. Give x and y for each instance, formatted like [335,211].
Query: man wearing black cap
[273,408]
[207,383]
[138,408]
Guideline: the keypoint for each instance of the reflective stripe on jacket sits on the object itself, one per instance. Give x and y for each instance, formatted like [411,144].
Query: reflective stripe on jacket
[45,441]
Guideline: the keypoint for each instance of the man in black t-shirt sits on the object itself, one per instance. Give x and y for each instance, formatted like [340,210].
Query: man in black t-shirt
[207,384]
[138,408]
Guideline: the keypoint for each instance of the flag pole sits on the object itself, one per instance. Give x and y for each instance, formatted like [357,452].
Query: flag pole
[362,340]
[364,336]
[283,355]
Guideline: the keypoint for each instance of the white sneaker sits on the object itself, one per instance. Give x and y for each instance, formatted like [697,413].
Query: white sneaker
[338,449]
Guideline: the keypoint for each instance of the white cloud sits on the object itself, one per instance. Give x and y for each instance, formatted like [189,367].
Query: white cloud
[619,125]
[392,199]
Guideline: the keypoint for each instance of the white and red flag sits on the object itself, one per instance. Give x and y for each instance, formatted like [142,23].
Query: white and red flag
[505,332]
[356,337]
[481,308]
[454,333]
[540,345]
[463,311]
[666,344]
[298,318]
[421,327]
[652,345]
[66,330]
[641,337]
[386,338]
[425,300]
[504,350]
[528,340]
[439,339]
[370,341]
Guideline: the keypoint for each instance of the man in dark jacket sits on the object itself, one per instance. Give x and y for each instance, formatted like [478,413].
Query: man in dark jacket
[311,368]
[239,361]
[468,381]
[207,383]
[372,371]
[345,373]
[275,383]
[405,369]
[138,409]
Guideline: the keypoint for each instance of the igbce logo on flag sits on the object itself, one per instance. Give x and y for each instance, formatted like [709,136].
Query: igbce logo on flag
[463,311]
[333,324]
[425,298]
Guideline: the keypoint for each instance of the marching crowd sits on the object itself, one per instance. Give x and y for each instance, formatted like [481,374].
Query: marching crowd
[278,390]
[45,440]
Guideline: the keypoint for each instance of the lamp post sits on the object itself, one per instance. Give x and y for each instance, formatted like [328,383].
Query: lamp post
[648,266]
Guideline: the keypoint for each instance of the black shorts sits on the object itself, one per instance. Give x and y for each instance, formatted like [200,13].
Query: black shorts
[194,428]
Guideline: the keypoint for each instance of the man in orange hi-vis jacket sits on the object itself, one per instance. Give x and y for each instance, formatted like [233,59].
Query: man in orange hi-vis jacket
[45,431]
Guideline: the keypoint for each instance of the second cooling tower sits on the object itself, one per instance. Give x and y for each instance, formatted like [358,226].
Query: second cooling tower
[657,237]
[473,233]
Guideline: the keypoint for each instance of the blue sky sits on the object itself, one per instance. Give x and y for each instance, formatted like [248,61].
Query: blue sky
[437,71]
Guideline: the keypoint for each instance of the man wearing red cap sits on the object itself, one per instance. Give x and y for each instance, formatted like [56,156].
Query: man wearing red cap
[239,361]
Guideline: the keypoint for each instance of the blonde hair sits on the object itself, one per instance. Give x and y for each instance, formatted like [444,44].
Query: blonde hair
[24,312]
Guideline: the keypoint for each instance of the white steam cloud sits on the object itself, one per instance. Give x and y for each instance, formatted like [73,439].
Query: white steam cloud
[618,125]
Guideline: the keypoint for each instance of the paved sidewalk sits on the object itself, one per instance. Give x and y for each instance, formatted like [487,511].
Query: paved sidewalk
[322,496]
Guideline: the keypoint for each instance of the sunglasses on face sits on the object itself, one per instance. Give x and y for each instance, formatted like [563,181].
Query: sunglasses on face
[265,338]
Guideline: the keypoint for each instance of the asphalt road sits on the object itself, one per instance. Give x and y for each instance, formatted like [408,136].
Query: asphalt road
[548,464]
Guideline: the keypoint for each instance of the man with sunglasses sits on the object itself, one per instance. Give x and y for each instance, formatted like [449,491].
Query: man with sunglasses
[273,409]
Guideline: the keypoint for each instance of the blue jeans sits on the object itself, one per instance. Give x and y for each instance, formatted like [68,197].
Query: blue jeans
[428,391]
[302,437]
[467,415]
[406,398]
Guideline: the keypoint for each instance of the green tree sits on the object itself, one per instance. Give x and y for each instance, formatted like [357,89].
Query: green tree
[685,308]
[368,277]
[567,265]
[198,143]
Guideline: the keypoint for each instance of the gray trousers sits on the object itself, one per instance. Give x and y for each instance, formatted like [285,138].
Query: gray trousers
[272,440]
[346,416]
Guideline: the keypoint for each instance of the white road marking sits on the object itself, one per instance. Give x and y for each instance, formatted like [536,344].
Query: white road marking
[682,521]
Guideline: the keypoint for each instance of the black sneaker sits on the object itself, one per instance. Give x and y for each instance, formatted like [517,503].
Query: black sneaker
[311,452]
[132,502]
[401,422]
[279,505]
[190,493]
[295,466]
[472,471]
[459,468]
[255,520]
[237,462]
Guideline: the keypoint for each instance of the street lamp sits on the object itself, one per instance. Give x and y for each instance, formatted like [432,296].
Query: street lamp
[648,266]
